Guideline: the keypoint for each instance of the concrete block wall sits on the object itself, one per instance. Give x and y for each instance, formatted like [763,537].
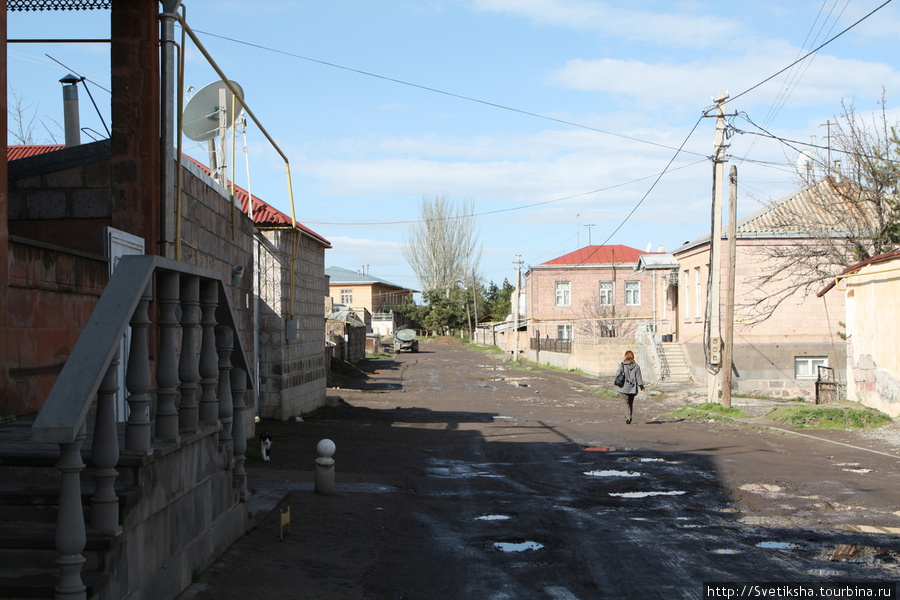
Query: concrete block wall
[599,357]
[292,372]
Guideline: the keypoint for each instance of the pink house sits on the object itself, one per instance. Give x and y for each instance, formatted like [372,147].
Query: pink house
[597,291]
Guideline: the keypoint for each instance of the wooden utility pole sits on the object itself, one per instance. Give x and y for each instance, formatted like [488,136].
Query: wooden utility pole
[728,321]
[714,352]
[517,297]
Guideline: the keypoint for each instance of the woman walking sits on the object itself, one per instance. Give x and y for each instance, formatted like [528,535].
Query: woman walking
[629,380]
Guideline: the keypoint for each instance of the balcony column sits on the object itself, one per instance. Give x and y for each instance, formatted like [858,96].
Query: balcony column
[224,346]
[239,392]
[188,366]
[137,380]
[105,454]
[209,368]
[70,532]
[166,364]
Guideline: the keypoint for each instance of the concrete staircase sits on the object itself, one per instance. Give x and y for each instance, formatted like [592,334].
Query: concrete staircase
[675,366]
[29,503]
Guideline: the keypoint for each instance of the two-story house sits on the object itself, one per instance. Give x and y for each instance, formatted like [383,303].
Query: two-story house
[374,300]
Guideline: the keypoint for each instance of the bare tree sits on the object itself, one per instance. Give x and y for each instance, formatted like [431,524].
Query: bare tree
[598,319]
[443,248]
[23,118]
[843,214]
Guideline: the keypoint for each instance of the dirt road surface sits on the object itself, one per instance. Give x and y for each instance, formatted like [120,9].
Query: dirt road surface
[461,477]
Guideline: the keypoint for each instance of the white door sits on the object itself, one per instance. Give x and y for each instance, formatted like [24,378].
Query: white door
[118,244]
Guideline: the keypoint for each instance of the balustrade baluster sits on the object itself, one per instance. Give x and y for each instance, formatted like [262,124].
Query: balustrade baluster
[239,393]
[224,346]
[188,366]
[166,363]
[209,368]
[105,454]
[137,380]
[70,532]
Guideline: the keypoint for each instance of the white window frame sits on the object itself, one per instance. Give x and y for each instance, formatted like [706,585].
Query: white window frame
[632,293]
[347,296]
[606,295]
[806,367]
[698,291]
[564,332]
[563,293]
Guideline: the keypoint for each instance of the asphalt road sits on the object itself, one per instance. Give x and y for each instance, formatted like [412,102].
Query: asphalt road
[461,477]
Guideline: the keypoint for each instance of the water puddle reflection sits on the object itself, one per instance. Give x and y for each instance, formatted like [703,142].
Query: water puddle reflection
[517,547]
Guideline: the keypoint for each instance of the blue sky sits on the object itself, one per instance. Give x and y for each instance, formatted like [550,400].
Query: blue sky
[547,115]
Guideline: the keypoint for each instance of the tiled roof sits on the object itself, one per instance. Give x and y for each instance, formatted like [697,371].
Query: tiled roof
[598,255]
[264,214]
[25,151]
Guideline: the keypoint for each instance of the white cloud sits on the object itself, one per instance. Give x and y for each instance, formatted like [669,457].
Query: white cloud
[688,29]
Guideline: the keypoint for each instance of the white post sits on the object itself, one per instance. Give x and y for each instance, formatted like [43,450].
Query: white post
[325,467]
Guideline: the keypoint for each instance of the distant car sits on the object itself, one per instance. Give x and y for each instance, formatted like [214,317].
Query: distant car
[405,339]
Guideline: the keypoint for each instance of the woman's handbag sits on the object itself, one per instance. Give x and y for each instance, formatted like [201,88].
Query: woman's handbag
[620,379]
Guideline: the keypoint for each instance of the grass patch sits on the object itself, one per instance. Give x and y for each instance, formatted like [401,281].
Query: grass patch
[710,411]
[486,349]
[829,417]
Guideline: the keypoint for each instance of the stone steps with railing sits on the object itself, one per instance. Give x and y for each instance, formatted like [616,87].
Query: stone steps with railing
[97,504]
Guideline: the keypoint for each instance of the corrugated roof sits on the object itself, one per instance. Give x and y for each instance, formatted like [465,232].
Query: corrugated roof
[25,151]
[264,214]
[598,255]
[340,275]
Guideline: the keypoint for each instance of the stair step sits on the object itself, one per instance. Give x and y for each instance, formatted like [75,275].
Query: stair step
[40,583]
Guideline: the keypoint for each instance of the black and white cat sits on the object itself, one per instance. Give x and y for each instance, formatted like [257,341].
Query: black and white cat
[265,445]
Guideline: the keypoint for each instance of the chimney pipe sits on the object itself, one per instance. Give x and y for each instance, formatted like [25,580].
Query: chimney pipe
[70,110]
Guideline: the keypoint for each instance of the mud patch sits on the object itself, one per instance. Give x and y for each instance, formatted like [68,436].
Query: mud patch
[850,553]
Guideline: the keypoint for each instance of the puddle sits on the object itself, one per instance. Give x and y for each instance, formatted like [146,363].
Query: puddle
[856,554]
[857,470]
[517,547]
[600,449]
[726,551]
[825,572]
[761,488]
[493,518]
[503,417]
[776,545]
[613,474]
[642,459]
[644,494]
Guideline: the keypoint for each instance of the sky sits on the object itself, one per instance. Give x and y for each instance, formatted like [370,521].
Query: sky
[561,122]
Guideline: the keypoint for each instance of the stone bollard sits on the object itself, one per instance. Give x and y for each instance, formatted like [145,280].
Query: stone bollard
[325,467]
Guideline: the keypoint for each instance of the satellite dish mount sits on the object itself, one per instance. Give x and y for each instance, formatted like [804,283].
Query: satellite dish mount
[207,116]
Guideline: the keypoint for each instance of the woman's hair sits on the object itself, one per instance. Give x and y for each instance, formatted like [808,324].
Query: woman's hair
[629,356]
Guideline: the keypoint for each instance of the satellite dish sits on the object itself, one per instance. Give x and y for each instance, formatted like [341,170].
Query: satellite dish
[201,115]
[649,246]
[805,162]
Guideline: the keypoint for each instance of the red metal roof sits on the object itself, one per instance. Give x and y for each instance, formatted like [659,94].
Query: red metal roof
[599,255]
[24,151]
[264,214]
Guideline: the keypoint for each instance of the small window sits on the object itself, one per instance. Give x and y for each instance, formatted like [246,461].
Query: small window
[564,332]
[347,297]
[606,293]
[563,293]
[632,293]
[807,367]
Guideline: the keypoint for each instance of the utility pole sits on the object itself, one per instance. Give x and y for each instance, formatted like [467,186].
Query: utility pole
[728,333]
[515,307]
[827,125]
[714,351]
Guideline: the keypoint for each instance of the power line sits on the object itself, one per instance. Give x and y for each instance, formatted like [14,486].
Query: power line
[443,92]
[810,53]
[515,208]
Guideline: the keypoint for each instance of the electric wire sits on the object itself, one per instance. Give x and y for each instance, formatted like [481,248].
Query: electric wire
[443,92]
[810,53]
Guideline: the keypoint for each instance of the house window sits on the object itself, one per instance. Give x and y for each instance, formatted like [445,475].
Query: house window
[687,294]
[606,293]
[698,290]
[807,367]
[347,297]
[632,293]
[564,332]
[563,293]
